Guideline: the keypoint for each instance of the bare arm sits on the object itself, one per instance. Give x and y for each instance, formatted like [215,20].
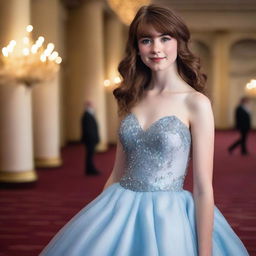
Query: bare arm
[202,128]
[119,165]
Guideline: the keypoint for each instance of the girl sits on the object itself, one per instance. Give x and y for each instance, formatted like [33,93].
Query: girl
[165,120]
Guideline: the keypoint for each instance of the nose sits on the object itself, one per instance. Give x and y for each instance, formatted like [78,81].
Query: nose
[156,47]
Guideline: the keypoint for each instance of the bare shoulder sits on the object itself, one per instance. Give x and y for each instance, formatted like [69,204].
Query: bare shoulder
[199,109]
[197,101]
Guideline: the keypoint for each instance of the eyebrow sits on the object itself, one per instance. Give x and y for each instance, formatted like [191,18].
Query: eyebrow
[150,36]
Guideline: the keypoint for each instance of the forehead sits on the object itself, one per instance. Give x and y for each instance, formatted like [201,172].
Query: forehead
[151,30]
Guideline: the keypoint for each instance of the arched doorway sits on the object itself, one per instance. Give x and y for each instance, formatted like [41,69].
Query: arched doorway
[242,70]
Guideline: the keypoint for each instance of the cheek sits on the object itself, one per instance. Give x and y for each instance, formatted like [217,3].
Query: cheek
[143,53]
[143,49]
[172,53]
[172,48]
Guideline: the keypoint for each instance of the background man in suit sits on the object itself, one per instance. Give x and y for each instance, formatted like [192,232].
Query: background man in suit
[90,137]
[243,125]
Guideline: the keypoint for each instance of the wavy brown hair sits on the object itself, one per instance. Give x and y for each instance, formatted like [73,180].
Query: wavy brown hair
[136,75]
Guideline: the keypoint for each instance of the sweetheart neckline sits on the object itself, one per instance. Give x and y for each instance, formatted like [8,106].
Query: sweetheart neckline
[157,121]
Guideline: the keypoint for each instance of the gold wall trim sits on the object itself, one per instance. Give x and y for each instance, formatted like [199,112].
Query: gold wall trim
[18,177]
[48,162]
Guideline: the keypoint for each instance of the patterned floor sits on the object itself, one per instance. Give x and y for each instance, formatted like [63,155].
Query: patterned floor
[30,216]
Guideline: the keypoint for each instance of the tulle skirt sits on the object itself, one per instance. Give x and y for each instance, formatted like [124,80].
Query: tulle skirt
[121,222]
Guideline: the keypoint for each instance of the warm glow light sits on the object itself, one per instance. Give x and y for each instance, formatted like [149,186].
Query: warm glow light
[9,48]
[58,60]
[29,28]
[106,82]
[12,43]
[251,84]
[47,53]
[250,88]
[41,39]
[34,48]
[117,80]
[53,56]
[38,44]
[5,52]
[25,51]
[25,40]
[43,58]
[50,47]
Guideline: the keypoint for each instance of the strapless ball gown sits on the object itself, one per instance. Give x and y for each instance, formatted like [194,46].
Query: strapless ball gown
[147,213]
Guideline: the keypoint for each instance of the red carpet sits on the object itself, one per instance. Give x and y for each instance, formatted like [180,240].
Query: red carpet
[29,217]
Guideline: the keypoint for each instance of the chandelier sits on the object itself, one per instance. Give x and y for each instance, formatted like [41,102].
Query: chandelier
[127,9]
[28,62]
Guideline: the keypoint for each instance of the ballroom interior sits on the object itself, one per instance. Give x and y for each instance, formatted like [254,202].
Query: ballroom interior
[89,38]
[42,98]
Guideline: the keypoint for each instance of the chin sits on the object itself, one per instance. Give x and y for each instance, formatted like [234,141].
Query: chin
[157,68]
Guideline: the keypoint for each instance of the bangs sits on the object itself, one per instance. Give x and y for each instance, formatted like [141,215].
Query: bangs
[161,25]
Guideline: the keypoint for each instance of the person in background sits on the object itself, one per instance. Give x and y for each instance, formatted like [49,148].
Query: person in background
[242,124]
[90,137]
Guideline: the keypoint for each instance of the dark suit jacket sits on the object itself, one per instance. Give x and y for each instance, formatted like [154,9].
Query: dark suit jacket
[243,119]
[89,127]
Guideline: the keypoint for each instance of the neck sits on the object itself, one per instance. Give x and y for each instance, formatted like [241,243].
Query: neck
[166,80]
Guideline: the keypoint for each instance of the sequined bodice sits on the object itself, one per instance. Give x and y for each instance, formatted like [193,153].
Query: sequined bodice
[156,158]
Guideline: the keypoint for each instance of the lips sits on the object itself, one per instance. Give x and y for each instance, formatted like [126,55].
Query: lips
[157,59]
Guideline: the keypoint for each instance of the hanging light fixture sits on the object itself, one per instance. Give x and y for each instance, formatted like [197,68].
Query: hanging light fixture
[127,9]
[28,62]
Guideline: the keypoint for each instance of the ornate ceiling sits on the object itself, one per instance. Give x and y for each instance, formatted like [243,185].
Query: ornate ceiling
[193,5]
[210,5]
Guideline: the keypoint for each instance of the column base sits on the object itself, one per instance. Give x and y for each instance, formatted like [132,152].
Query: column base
[102,147]
[18,177]
[48,162]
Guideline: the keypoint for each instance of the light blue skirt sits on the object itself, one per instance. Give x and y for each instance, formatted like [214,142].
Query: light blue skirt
[121,222]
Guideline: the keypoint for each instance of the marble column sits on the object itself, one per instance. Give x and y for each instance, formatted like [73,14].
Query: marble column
[46,96]
[85,64]
[46,124]
[114,51]
[221,78]
[16,147]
